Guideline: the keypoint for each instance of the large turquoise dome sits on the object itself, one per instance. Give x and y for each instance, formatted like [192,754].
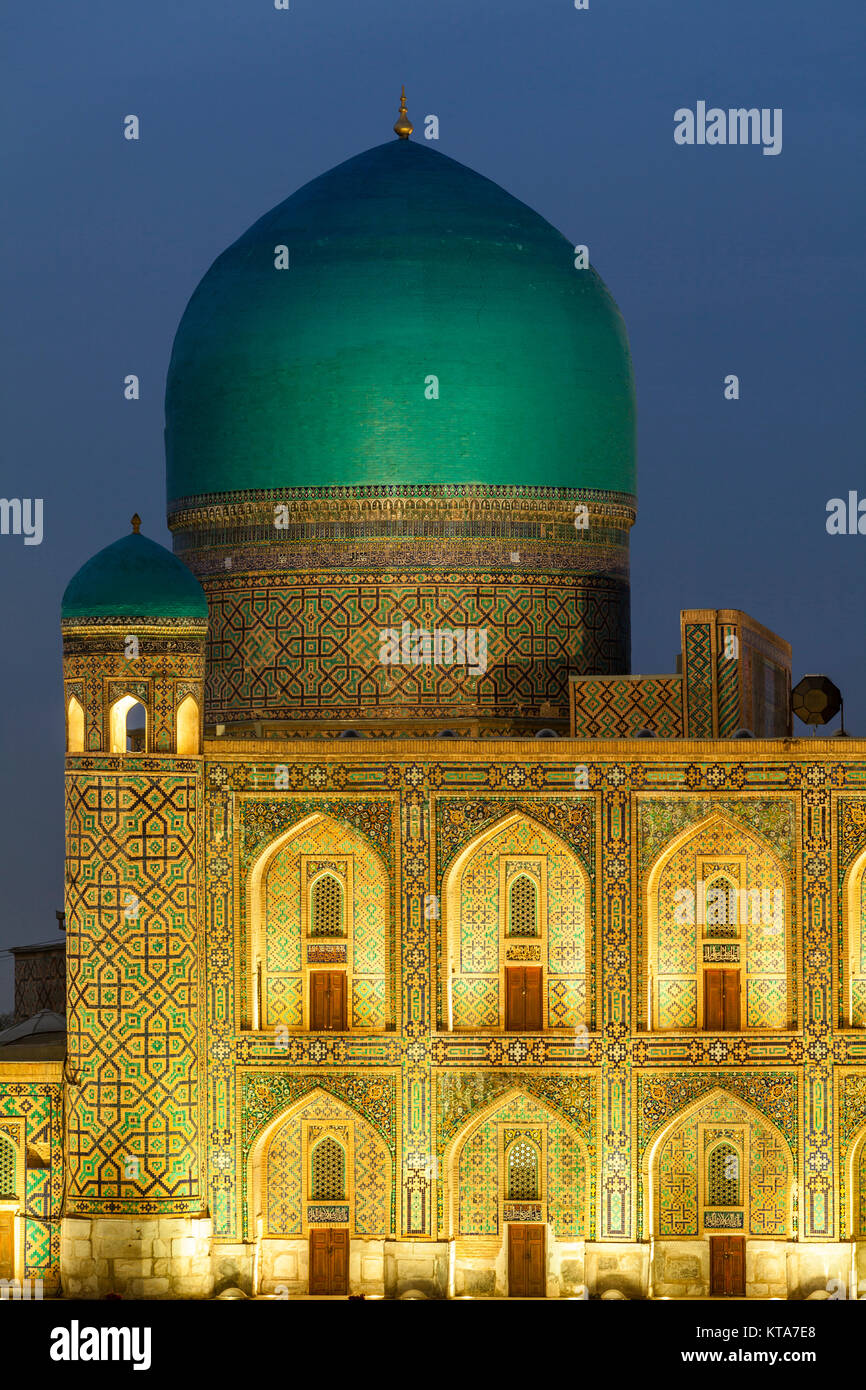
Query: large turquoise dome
[134,578]
[404,265]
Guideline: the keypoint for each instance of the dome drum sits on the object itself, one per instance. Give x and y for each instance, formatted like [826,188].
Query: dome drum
[297,609]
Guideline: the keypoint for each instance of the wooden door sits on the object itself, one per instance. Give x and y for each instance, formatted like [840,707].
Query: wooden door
[722,1001]
[327,1001]
[524,998]
[737,1266]
[7,1245]
[526,1271]
[338,1001]
[728,1266]
[329,1260]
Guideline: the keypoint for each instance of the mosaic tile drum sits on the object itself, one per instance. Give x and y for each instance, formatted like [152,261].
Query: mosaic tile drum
[536,979]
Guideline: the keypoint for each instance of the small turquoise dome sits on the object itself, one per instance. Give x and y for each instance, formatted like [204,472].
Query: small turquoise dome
[134,578]
[403,265]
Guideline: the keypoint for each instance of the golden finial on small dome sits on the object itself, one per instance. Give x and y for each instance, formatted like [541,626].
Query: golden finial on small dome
[136,524]
[403,126]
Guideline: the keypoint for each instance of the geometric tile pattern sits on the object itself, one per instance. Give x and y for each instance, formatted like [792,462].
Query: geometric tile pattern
[762,903]
[480,1195]
[678,1183]
[35,1109]
[476,980]
[615,706]
[728,676]
[566,1003]
[698,669]
[7,1167]
[678,1186]
[169,665]
[475,1002]
[284,1181]
[284,963]
[677,1003]
[768,1183]
[479,1183]
[422,808]
[293,1168]
[766,1003]
[371,1184]
[306,646]
[132,960]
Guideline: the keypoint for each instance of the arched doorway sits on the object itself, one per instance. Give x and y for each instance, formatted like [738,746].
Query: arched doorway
[516,1203]
[719,1179]
[127,723]
[717,907]
[320,932]
[516,948]
[320,1199]
[11,1206]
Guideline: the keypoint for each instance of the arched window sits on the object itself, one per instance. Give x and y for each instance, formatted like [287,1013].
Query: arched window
[329,1172]
[720,908]
[522,1172]
[187,728]
[74,726]
[326,907]
[723,1176]
[523,906]
[128,726]
[7,1168]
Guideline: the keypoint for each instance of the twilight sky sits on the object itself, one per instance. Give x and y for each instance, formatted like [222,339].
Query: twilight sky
[721,259]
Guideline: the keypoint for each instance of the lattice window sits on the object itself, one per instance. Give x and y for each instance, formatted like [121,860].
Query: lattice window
[720,909]
[723,1176]
[7,1168]
[523,907]
[329,1172]
[326,915]
[522,1172]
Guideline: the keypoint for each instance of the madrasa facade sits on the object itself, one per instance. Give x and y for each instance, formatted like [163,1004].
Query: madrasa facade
[414,947]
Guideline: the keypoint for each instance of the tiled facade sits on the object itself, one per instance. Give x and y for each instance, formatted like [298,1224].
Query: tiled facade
[621,1116]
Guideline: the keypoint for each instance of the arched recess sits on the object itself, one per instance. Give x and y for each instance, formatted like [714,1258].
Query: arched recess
[328,917]
[127,725]
[285,951]
[675,1176]
[682,947]
[853,971]
[74,726]
[522,1164]
[281,1202]
[8,1168]
[477,942]
[188,728]
[475,1199]
[855,1178]
[12,1190]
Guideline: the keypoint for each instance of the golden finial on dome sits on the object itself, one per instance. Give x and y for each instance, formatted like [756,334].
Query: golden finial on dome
[136,524]
[403,126]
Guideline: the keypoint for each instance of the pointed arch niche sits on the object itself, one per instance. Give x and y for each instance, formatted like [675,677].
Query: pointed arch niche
[717,900]
[853,972]
[128,725]
[74,726]
[188,739]
[12,1189]
[517,1137]
[315,1145]
[318,900]
[515,896]
[686,1194]
[855,1179]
